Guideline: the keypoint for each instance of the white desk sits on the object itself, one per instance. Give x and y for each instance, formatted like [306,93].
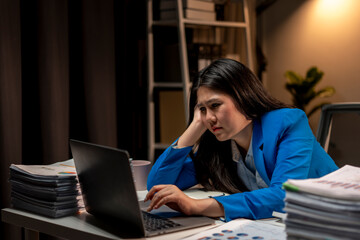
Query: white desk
[81,226]
[85,226]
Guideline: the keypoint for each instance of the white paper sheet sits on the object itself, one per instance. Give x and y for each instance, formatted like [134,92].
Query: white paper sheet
[341,184]
[242,229]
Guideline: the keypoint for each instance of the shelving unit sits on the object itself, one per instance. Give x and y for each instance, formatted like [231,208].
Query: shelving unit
[181,24]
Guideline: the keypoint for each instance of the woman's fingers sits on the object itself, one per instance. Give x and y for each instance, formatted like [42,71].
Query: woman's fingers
[161,198]
[152,191]
[167,195]
[174,198]
[164,194]
[154,195]
[165,198]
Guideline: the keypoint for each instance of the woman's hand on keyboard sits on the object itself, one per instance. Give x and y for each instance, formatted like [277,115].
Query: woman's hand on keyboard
[174,198]
[171,196]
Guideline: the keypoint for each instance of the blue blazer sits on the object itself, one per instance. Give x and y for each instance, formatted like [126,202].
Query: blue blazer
[284,147]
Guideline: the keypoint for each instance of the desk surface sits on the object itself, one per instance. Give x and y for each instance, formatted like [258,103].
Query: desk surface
[75,227]
[85,226]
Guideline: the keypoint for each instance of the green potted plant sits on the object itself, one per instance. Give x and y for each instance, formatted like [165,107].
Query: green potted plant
[302,89]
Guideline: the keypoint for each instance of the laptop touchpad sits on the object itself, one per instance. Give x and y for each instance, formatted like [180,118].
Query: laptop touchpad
[163,211]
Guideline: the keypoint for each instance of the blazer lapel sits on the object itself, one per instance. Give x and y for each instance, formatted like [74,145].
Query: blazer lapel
[258,145]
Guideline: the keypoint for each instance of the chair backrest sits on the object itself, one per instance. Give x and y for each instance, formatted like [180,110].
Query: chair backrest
[339,132]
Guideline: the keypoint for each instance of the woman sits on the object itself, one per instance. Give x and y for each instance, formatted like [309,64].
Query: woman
[241,141]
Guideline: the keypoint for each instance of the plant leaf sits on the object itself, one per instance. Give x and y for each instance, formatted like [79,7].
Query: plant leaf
[314,72]
[293,77]
[303,89]
[326,92]
[313,76]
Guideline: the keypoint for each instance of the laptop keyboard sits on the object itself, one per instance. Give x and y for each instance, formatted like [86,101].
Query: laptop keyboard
[154,222]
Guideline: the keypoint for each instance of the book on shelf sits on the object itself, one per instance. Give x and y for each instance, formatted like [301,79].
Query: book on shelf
[192,4]
[324,208]
[190,14]
[207,54]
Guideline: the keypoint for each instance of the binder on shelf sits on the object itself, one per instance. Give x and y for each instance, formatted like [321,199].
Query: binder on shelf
[190,14]
[168,67]
[197,17]
[193,4]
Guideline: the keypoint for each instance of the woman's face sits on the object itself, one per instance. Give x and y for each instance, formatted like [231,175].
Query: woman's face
[220,115]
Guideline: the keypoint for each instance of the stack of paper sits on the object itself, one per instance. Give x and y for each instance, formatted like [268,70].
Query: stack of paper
[49,190]
[324,208]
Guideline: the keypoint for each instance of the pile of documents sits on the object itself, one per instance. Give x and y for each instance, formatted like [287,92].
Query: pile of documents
[49,190]
[324,208]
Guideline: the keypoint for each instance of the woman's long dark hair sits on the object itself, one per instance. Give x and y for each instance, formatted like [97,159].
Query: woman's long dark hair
[213,162]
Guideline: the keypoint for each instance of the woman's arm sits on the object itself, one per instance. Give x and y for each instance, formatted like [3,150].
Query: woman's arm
[193,133]
[293,144]
[174,166]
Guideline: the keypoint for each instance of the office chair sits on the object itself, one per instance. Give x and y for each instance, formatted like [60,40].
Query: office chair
[339,132]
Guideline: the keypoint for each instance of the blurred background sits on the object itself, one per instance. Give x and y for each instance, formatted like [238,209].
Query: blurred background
[78,69]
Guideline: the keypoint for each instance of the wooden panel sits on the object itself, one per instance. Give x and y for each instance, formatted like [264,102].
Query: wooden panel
[172,115]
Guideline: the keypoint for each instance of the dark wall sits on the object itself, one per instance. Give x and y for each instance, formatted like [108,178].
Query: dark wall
[69,69]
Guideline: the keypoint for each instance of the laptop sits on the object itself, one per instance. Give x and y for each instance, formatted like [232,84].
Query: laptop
[109,194]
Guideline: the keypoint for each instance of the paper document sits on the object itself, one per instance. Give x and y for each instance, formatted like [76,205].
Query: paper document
[343,183]
[50,190]
[242,229]
[46,170]
[324,208]
[201,193]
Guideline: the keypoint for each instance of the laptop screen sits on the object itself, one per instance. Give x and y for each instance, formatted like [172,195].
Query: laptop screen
[106,182]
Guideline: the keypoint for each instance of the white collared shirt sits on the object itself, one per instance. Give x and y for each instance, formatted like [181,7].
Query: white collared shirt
[246,170]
